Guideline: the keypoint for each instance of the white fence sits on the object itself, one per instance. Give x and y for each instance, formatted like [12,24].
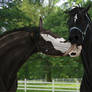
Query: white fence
[48,86]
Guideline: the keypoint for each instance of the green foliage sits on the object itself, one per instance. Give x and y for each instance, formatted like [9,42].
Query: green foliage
[12,18]
[27,13]
[57,22]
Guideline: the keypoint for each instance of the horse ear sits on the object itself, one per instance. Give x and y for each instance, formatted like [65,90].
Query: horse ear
[85,10]
[41,24]
[88,7]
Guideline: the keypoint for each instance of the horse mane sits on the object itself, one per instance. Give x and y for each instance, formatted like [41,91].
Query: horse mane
[26,29]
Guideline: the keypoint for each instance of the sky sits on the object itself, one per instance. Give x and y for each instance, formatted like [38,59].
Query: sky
[46,2]
[63,1]
[60,2]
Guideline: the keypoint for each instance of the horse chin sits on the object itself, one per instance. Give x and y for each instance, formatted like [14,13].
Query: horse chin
[74,51]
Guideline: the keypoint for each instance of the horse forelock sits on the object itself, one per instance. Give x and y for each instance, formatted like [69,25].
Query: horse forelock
[75,10]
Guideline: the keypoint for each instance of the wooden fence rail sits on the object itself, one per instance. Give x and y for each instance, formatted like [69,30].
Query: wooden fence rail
[48,86]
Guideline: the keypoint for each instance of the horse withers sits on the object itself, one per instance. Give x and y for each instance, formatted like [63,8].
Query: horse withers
[80,34]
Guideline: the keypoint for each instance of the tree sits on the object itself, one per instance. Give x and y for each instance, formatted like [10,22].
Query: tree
[12,17]
[27,13]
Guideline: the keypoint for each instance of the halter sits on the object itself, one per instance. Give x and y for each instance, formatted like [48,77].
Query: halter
[85,31]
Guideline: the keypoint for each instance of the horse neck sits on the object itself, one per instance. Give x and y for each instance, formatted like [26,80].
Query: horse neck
[87,49]
[88,38]
[15,49]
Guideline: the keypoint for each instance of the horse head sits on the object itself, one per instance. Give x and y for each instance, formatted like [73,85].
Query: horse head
[78,22]
[52,44]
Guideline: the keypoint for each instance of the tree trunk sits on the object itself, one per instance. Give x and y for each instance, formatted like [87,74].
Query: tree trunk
[48,67]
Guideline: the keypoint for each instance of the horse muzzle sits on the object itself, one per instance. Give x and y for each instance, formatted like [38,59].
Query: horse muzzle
[74,50]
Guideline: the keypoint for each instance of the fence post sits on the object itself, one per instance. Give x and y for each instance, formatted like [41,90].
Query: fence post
[25,85]
[53,85]
[77,86]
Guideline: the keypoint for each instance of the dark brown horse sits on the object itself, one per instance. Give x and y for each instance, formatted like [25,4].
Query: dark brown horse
[18,45]
[80,27]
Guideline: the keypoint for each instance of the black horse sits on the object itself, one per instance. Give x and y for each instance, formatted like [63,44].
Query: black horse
[80,33]
[18,45]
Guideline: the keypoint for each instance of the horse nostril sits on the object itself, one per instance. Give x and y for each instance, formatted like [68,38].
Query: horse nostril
[73,53]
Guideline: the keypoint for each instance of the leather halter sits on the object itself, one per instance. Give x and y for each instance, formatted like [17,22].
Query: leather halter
[85,31]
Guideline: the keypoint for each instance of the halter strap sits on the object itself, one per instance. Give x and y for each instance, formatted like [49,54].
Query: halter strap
[75,28]
[88,18]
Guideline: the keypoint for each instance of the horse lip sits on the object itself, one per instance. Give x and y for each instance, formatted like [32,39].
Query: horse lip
[69,50]
[73,49]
